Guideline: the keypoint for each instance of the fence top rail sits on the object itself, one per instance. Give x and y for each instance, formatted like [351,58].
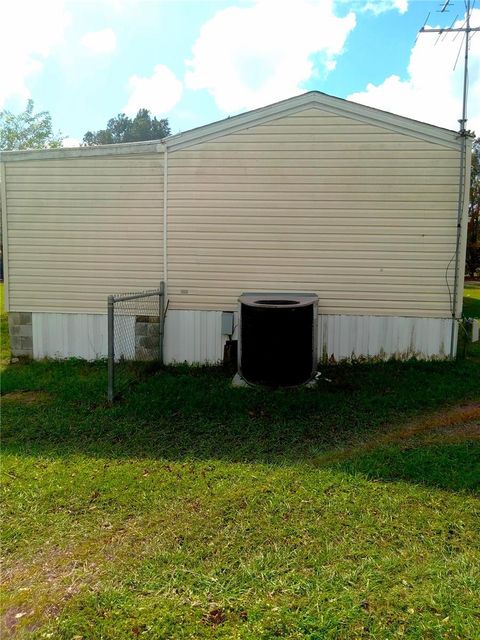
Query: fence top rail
[135,296]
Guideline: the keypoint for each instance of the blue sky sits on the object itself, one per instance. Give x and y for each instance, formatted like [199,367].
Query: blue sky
[199,61]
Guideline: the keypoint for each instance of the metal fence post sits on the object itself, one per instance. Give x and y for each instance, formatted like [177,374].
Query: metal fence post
[111,351]
[161,320]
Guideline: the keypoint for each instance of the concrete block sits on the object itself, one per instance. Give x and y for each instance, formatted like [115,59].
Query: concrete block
[147,331]
[25,317]
[21,346]
[13,318]
[21,330]
[140,341]
[15,342]
[141,329]
[26,330]
[27,342]
[153,330]
[147,319]
[148,343]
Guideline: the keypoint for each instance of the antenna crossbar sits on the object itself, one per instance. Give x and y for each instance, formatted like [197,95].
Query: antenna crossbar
[449,30]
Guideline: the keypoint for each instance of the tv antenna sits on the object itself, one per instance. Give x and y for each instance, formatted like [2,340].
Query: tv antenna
[463,133]
[467,30]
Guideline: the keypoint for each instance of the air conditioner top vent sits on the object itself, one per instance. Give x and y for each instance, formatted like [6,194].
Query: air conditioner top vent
[278,300]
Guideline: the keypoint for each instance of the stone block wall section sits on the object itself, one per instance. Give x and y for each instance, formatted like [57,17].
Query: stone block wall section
[21,340]
[147,338]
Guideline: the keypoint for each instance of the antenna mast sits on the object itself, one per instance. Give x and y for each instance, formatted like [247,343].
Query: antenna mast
[462,187]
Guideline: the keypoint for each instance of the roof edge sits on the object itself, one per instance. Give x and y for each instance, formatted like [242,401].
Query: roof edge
[355,110]
[149,146]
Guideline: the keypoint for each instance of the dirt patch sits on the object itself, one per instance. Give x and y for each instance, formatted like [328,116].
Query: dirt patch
[43,587]
[214,617]
[448,420]
[456,424]
[40,586]
[455,433]
[11,619]
[27,397]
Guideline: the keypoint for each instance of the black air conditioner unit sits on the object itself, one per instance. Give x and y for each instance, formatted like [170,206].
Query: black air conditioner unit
[278,338]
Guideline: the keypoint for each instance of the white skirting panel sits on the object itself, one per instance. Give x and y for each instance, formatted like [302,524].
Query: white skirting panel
[350,337]
[69,335]
[80,335]
[190,336]
[195,336]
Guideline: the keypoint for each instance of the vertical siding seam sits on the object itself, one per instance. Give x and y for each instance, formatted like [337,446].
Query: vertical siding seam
[3,202]
[165,223]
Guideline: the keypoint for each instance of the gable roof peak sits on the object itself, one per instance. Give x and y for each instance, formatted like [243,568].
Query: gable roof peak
[320,100]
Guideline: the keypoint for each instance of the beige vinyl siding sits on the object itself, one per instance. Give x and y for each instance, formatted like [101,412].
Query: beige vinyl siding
[363,216]
[83,228]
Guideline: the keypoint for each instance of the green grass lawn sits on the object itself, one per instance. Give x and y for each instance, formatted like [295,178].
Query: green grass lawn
[194,510]
[471,300]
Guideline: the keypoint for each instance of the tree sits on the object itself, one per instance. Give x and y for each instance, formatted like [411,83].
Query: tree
[124,129]
[473,233]
[27,130]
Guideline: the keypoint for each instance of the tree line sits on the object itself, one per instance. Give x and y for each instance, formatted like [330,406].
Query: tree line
[472,260]
[30,130]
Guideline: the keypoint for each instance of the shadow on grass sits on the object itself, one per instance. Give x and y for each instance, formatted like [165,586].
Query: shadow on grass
[450,466]
[193,413]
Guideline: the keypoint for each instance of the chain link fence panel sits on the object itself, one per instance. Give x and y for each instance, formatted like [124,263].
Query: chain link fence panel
[135,337]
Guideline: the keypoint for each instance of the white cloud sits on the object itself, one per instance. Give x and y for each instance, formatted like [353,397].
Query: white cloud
[380,6]
[32,30]
[71,142]
[433,91]
[247,57]
[159,93]
[103,41]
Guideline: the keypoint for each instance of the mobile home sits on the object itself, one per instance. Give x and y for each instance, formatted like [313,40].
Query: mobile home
[358,206]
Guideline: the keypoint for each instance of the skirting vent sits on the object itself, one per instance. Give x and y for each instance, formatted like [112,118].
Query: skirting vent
[277,338]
